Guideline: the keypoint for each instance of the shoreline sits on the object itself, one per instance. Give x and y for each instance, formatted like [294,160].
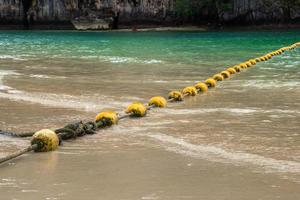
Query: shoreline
[158,28]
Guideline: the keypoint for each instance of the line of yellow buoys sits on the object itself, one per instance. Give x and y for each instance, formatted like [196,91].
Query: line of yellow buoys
[48,140]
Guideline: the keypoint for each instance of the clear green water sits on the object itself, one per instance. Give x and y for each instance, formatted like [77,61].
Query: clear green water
[191,48]
[238,141]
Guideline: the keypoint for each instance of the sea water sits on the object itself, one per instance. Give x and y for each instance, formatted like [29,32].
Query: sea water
[240,140]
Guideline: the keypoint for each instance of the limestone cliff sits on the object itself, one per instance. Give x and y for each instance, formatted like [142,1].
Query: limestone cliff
[43,11]
[33,12]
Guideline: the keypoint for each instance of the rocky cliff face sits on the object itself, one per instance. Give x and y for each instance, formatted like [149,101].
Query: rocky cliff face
[262,11]
[30,12]
[43,11]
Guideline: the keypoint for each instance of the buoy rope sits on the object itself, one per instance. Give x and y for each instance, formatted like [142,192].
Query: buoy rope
[18,153]
[47,140]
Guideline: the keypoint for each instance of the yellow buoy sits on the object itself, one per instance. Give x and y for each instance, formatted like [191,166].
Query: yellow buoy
[218,77]
[136,109]
[201,87]
[262,58]
[110,116]
[248,63]
[175,95]
[258,60]
[211,83]
[243,65]
[225,74]
[237,68]
[190,91]
[231,70]
[252,61]
[158,101]
[46,140]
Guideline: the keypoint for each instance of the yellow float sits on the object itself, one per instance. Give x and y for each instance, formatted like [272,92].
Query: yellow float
[110,117]
[158,101]
[175,95]
[201,87]
[46,140]
[218,77]
[231,70]
[225,74]
[136,109]
[210,83]
[190,91]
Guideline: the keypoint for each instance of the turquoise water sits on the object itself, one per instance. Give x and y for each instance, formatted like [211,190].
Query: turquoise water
[191,48]
[238,141]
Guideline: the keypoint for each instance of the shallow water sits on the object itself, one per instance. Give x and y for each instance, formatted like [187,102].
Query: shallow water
[238,141]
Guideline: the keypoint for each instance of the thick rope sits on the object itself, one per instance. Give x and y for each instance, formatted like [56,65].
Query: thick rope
[13,134]
[18,153]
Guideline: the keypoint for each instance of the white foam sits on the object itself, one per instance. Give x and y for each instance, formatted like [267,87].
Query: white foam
[123,59]
[39,76]
[118,59]
[209,110]
[3,87]
[53,100]
[271,84]
[61,101]
[43,76]
[217,154]
[10,57]
[237,111]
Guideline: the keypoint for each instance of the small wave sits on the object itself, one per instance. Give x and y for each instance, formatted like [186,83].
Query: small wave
[41,76]
[4,73]
[160,81]
[171,81]
[268,84]
[132,98]
[238,111]
[3,87]
[123,59]
[118,59]
[217,154]
[153,61]
[38,76]
[53,100]
[209,110]
[9,57]
[62,101]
